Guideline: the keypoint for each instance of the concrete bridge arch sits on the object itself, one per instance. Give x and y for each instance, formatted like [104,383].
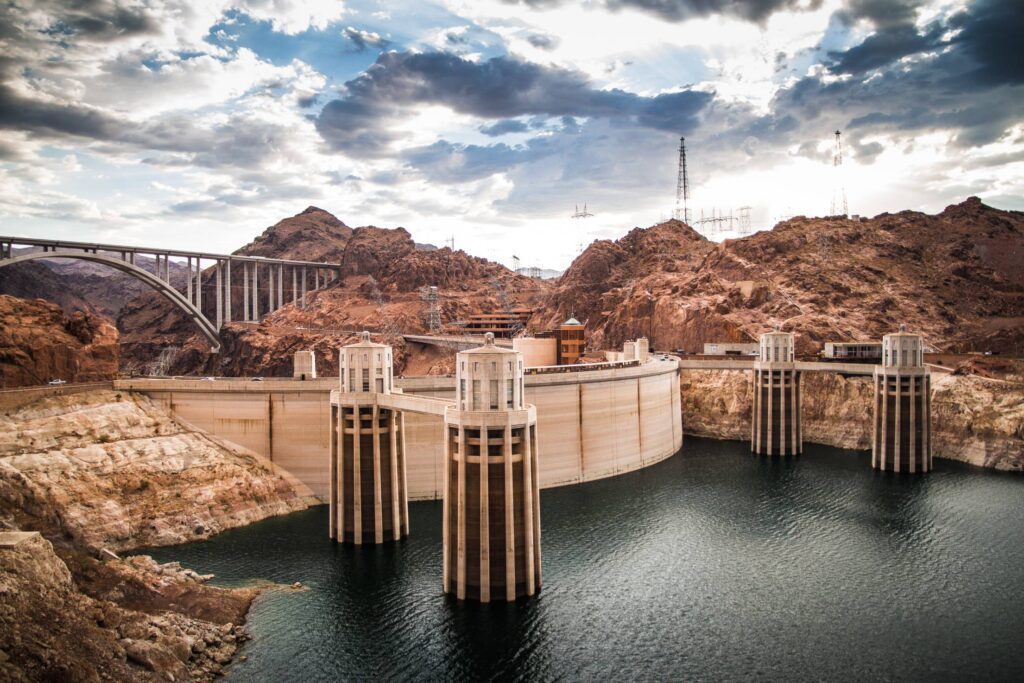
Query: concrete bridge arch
[208,329]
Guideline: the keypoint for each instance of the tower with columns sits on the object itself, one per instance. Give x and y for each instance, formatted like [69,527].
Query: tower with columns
[491,527]
[368,493]
[903,406]
[775,420]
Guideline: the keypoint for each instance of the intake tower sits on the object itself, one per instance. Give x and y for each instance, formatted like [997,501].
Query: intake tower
[368,492]
[775,422]
[491,499]
[903,407]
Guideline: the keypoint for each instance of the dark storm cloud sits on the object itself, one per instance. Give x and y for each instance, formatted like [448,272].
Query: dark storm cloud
[499,88]
[882,13]
[883,48]
[504,127]
[680,10]
[20,113]
[451,163]
[97,20]
[970,83]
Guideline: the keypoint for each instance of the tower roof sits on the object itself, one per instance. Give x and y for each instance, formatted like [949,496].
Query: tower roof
[364,342]
[489,347]
[572,321]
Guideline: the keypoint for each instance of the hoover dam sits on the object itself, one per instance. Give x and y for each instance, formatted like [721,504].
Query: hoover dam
[592,422]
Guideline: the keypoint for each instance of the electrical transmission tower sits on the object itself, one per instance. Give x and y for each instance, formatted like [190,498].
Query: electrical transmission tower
[389,328]
[838,189]
[515,328]
[581,214]
[744,220]
[450,243]
[682,212]
[430,296]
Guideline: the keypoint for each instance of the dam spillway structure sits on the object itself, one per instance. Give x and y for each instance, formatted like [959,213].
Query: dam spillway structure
[903,407]
[491,526]
[368,491]
[775,419]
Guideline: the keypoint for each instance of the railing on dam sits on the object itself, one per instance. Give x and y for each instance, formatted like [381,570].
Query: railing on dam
[581,367]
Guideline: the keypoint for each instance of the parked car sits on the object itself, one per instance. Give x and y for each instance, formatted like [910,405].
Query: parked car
[207,379]
[57,381]
[256,379]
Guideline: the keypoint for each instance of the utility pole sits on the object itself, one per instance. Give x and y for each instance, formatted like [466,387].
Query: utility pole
[839,190]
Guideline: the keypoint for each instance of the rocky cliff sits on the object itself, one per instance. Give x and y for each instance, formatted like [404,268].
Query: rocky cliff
[955,276]
[65,616]
[39,342]
[79,286]
[383,271]
[111,470]
[975,419]
[102,471]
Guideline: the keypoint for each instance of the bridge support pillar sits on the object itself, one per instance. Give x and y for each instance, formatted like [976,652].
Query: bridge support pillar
[901,439]
[188,280]
[245,291]
[369,494]
[227,291]
[775,418]
[295,285]
[304,287]
[255,292]
[491,523]
[199,284]
[220,295]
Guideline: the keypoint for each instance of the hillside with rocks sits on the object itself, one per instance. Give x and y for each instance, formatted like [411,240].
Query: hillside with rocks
[382,270]
[39,342]
[100,472]
[956,277]
[80,286]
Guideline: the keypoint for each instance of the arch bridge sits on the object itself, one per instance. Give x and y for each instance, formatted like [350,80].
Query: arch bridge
[261,280]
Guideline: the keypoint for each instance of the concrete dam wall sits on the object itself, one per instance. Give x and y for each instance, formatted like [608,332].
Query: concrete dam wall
[591,424]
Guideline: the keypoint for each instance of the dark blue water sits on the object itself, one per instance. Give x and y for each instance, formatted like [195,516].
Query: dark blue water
[713,565]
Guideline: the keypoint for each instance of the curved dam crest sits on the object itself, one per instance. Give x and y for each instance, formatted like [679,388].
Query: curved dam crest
[591,424]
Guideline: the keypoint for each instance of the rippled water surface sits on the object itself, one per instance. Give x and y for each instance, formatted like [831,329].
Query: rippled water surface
[711,565]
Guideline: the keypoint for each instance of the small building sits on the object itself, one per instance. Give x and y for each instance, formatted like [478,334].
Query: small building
[570,339]
[853,351]
[731,349]
[304,365]
[505,324]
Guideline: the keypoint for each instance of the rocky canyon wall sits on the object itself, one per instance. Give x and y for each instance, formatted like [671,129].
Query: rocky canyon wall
[974,419]
[110,470]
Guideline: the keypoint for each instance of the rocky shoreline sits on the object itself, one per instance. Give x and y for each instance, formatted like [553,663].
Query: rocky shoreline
[975,419]
[86,475]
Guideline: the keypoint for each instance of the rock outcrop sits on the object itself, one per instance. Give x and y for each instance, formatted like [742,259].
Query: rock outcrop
[123,620]
[955,277]
[974,419]
[39,342]
[383,271]
[110,470]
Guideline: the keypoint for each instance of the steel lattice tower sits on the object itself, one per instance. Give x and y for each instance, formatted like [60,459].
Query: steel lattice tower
[839,190]
[682,186]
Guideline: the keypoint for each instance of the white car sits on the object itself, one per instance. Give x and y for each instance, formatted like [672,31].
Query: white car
[57,381]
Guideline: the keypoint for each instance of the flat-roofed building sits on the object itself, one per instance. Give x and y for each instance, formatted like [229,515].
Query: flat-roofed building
[853,351]
[731,349]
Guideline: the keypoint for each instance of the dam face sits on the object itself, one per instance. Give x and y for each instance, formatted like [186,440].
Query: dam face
[591,423]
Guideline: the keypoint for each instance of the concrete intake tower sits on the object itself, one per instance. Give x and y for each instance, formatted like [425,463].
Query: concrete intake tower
[775,422]
[491,526]
[368,491]
[903,407]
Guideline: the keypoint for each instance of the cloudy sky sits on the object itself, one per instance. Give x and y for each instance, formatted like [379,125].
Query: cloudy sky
[196,124]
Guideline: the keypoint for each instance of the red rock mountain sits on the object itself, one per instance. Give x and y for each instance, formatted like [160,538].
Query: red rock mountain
[957,277]
[383,270]
[39,342]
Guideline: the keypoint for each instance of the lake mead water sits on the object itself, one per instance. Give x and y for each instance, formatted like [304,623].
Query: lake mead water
[714,564]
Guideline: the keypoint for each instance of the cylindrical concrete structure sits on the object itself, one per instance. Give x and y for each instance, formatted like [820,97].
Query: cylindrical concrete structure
[491,526]
[775,419]
[903,407]
[369,494]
